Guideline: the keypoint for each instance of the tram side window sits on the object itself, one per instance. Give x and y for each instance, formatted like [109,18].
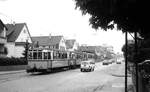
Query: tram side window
[34,55]
[78,56]
[45,55]
[64,55]
[39,55]
[49,55]
[60,55]
[55,55]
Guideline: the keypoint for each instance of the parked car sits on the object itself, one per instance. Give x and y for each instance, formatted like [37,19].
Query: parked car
[118,62]
[105,62]
[113,60]
[87,65]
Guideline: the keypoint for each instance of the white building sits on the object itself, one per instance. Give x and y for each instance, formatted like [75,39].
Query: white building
[17,35]
[71,45]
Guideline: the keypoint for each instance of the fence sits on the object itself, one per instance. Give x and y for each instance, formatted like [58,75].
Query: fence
[143,77]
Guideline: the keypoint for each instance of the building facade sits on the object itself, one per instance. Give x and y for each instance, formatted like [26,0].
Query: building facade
[51,42]
[17,35]
[3,39]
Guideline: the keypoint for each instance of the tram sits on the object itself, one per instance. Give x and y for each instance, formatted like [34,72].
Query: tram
[46,60]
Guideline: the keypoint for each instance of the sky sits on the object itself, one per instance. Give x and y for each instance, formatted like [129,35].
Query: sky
[58,17]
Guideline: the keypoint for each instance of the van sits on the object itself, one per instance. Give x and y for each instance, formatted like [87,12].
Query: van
[87,65]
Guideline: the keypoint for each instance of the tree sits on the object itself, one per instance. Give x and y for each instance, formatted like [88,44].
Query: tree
[129,15]
[25,53]
[142,52]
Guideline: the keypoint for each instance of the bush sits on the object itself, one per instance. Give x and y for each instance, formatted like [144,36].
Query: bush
[12,61]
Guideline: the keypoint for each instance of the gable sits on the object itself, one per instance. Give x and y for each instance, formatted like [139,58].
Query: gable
[14,31]
[70,44]
[24,35]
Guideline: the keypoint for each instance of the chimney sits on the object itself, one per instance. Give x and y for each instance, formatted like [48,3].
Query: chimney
[14,23]
[50,36]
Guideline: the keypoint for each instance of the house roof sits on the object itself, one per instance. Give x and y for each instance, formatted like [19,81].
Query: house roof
[70,43]
[14,31]
[47,40]
[90,49]
[1,25]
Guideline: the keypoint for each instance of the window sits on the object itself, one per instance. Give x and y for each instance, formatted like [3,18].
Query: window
[30,55]
[24,31]
[39,55]
[49,55]
[34,55]
[45,55]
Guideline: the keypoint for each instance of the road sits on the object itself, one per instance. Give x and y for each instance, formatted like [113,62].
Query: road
[105,78]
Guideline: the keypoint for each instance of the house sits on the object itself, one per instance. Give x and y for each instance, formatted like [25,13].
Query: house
[99,51]
[71,45]
[52,42]
[3,39]
[89,49]
[17,35]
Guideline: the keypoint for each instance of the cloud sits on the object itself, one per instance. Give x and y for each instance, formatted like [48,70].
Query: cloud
[3,0]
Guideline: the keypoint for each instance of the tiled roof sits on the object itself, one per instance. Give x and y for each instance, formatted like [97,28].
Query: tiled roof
[1,25]
[46,40]
[14,31]
[87,48]
[91,49]
[70,43]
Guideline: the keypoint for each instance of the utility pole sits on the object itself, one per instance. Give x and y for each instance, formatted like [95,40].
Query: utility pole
[126,61]
[26,50]
[136,63]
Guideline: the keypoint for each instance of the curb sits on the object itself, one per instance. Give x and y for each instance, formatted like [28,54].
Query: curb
[11,72]
[120,75]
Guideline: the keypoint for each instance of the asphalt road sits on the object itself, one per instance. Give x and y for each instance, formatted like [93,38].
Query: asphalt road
[104,79]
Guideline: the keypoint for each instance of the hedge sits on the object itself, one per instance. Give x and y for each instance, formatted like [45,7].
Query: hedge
[7,61]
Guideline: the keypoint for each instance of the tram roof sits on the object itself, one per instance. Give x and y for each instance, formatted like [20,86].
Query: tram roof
[46,49]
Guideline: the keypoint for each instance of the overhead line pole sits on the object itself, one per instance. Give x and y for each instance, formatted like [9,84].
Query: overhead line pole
[136,63]
[126,50]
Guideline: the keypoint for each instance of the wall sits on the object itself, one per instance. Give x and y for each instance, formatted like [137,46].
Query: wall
[19,50]
[11,49]
[14,51]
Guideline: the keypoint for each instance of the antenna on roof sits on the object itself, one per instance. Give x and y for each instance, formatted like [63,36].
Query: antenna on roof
[14,23]
[50,36]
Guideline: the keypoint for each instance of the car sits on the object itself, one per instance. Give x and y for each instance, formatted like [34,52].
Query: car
[105,62]
[110,61]
[118,62]
[87,65]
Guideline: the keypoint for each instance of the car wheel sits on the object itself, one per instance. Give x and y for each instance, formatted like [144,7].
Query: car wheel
[81,70]
[93,69]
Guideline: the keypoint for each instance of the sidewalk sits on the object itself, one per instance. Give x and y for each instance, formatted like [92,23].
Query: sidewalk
[11,72]
[119,73]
